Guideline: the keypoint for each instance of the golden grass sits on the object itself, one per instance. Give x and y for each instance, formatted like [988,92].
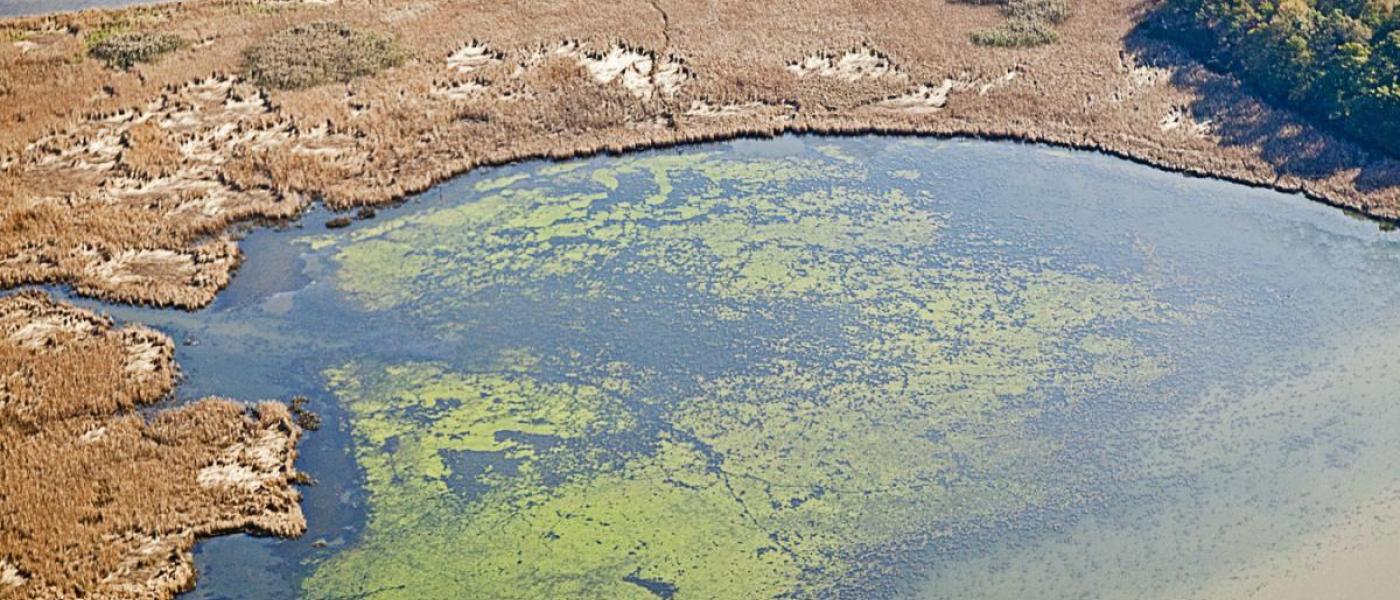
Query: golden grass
[81,201]
[98,501]
[148,153]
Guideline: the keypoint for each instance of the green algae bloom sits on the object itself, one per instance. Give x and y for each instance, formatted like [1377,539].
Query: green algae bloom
[746,382]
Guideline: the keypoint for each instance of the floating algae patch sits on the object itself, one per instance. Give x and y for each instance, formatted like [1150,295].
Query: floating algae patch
[883,397]
[816,367]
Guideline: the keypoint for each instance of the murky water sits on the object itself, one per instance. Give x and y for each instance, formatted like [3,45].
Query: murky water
[877,367]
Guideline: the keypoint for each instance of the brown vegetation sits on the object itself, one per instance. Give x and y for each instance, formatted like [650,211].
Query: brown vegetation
[97,500]
[81,202]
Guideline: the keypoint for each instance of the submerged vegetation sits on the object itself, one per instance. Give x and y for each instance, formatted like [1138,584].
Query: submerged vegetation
[1335,60]
[799,456]
[317,53]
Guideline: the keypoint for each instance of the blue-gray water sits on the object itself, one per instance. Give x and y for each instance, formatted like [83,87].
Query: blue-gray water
[941,369]
[16,8]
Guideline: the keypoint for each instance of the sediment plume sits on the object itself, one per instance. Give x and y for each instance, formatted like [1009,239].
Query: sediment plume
[92,195]
[98,500]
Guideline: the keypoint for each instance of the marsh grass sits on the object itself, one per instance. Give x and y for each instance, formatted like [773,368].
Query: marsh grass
[149,153]
[318,53]
[380,137]
[127,49]
[99,501]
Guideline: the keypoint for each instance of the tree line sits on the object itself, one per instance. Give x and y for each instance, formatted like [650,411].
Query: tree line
[1335,60]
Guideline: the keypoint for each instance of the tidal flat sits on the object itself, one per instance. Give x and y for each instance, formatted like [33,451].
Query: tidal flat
[873,367]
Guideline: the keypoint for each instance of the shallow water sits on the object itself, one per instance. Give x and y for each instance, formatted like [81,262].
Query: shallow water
[16,8]
[880,367]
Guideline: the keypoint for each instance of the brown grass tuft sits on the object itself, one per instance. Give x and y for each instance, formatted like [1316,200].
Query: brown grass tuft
[149,152]
[563,98]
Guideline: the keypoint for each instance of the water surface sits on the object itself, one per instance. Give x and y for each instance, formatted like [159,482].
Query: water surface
[16,8]
[878,367]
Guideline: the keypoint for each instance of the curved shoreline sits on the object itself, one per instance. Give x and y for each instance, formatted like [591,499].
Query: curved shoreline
[562,84]
[132,186]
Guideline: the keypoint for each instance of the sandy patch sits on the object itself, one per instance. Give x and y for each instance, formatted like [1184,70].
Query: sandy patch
[471,57]
[640,71]
[924,98]
[10,575]
[1180,118]
[852,65]
[33,323]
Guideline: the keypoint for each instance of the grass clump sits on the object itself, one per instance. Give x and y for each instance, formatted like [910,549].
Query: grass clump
[317,53]
[126,50]
[1028,23]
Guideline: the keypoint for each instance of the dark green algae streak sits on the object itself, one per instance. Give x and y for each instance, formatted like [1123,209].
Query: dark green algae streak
[749,378]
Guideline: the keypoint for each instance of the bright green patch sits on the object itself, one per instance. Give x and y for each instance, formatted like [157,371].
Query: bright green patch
[866,380]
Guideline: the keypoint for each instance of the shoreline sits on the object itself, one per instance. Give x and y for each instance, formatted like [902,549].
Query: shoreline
[230,153]
[139,487]
[135,186]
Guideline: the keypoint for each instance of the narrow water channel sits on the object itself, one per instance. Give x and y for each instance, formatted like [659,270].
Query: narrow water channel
[879,367]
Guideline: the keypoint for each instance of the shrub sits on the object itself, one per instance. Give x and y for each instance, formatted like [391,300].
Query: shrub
[317,53]
[1028,23]
[125,50]
[1047,11]
[1016,33]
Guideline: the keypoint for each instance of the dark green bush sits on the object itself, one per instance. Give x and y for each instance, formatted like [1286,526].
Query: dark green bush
[125,50]
[317,53]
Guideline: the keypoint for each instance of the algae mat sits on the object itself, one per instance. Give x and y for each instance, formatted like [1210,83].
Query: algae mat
[782,374]
[812,367]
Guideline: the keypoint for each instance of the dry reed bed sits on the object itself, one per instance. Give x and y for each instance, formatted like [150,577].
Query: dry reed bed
[98,501]
[93,195]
